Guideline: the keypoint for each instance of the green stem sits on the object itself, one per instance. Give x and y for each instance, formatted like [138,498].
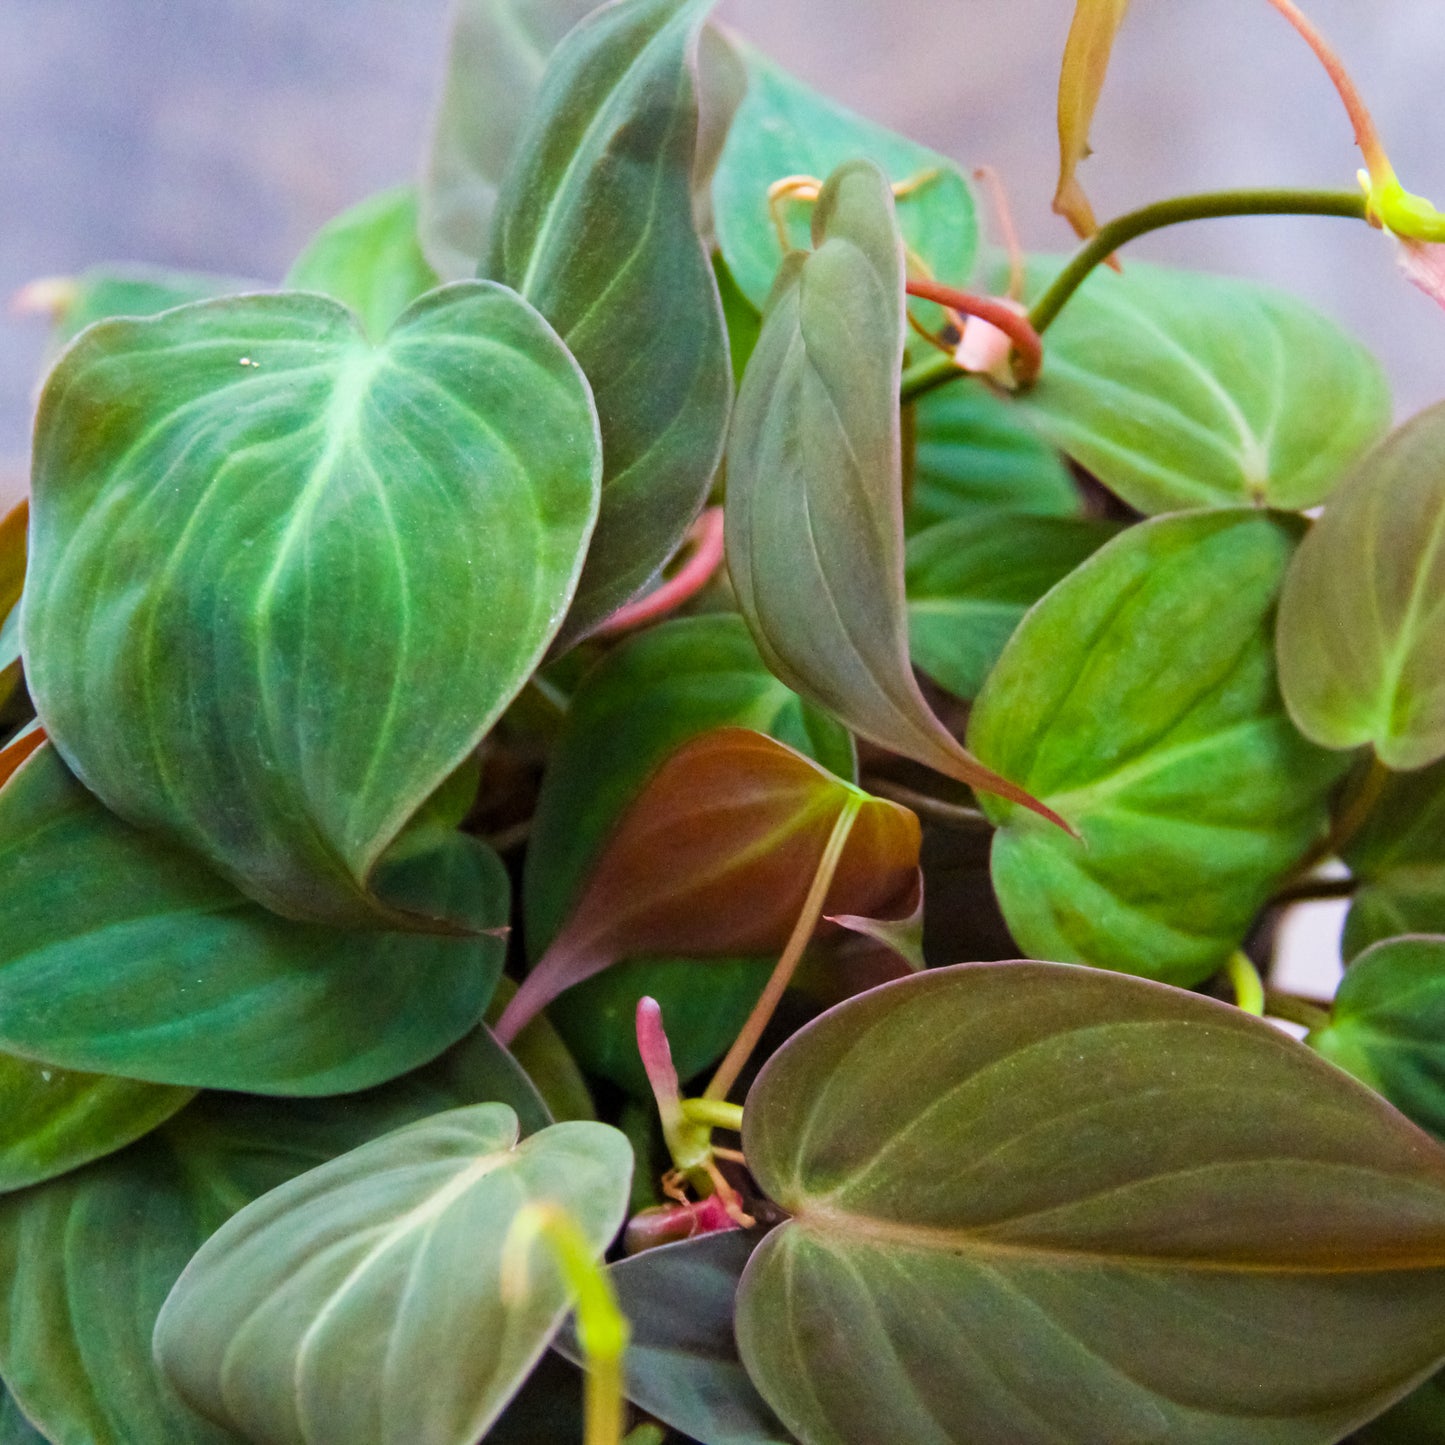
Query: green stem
[957,816]
[713,1114]
[936,370]
[1248,986]
[1295,1010]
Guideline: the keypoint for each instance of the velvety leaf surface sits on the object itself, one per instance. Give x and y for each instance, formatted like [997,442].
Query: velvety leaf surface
[646,698]
[682,1362]
[1178,390]
[971,581]
[90,1257]
[814,502]
[594,225]
[974,453]
[331,1309]
[52,1120]
[1054,1204]
[1387,1026]
[784,129]
[262,547]
[122,954]
[495,58]
[1081,80]
[135,290]
[369,259]
[1398,861]
[716,855]
[1138,699]
[1362,618]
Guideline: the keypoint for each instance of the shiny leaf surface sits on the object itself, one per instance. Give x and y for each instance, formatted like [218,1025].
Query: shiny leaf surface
[122,954]
[715,856]
[971,581]
[369,259]
[1057,1204]
[1362,618]
[330,1309]
[814,502]
[594,225]
[259,556]
[1181,390]
[1086,63]
[1139,700]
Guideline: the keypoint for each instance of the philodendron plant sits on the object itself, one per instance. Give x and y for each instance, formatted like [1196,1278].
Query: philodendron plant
[656,799]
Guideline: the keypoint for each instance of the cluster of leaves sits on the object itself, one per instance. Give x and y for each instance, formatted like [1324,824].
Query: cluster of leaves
[326,745]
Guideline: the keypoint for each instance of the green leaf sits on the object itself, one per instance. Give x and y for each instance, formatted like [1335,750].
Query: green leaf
[1138,699]
[974,453]
[716,855]
[1398,861]
[1180,390]
[104,292]
[89,1258]
[122,954]
[646,698]
[1055,1204]
[53,1120]
[1086,62]
[331,1310]
[544,1057]
[369,259]
[15,1429]
[1387,1026]
[814,502]
[971,581]
[595,227]
[784,129]
[495,59]
[1362,618]
[1419,1419]
[260,557]
[682,1362]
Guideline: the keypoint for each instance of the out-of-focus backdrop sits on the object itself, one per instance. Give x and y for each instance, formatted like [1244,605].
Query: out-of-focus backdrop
[219,136]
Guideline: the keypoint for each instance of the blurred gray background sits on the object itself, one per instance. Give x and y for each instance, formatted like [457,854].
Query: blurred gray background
[219,134]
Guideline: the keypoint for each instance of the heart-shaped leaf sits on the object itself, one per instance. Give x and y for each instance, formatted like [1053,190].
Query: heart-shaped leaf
[52,1120]
[716,854]
[1362,618]
[89,1258]
[495,59]
[784,129]
[594,225]
[259,560]
[1179,390]
[682,1361]
[1056,1204]
[369,259]
[1139,700]
[971,581]
[1387,1026]
[1398,862]
[646,698]
[1086,63]
[814,502]
[122,954]
[975,453]
[330,1310]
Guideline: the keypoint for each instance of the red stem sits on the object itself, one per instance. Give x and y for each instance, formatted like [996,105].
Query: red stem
[1026,340]
[689,580]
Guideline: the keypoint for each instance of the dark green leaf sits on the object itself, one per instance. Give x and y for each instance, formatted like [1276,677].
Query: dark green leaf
[1139,700]
[784,129]
[1033,1204]
[1181,390]
[650,695]
[260,555]
[974,452]
[364,1303]
[497,53]
[1362,617]
[122,954]
[594,225]
[1398,860]
[814,502]
[1419,1419]
[682,1362]
[368,258]
[52,1120]
[15,1429]
[971,581]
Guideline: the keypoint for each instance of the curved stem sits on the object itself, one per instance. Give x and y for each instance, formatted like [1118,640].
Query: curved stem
[997,313]
[688,581]
[1295,1010]
[957,816]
